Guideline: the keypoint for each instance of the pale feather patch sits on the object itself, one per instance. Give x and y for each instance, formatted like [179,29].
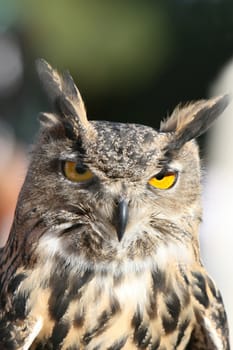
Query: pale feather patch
[48,119]
[213,334]
[34,333]
[134,291]
[50,244]
[172,252]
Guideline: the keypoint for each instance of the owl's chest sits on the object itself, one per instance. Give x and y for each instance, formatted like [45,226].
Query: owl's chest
[138,310]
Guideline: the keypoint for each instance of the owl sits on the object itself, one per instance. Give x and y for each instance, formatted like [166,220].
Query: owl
[103,253]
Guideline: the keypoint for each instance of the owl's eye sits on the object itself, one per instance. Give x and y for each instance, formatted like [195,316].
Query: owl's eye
[76,172]
[163,180]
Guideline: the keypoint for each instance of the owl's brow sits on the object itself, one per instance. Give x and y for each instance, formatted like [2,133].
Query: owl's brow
[165,160]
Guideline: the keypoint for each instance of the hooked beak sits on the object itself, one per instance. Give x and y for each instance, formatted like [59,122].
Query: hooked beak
[121,218]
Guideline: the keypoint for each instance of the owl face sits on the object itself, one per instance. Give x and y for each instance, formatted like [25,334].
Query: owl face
[86,186]
[105,192]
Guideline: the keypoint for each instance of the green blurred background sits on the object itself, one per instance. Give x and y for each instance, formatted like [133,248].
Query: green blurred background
[132,60]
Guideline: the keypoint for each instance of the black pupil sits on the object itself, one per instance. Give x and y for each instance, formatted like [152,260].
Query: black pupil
[80,168]
[160,175]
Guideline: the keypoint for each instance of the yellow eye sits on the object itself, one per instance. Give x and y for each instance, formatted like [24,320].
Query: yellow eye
[163,181]
[76,172]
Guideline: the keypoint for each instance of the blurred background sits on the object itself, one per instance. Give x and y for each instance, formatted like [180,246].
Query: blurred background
[133,61]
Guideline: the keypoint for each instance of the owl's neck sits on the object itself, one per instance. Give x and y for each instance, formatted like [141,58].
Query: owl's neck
[161,257]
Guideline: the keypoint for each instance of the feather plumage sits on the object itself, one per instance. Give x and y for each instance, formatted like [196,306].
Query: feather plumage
[67,280]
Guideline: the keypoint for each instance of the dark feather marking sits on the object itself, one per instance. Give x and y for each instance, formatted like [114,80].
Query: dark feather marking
[200,297]
[78,146]
[155,345]
[68,127]
[59,333]
[136,320]
[18,256]
[169,324]
[78,320]
[69,131]
[58,305]
[58,301]
[219,315]
[99,328]
[201,335]
[78,283]
[159,280]
[8,345]
[140,331]
[15,282]
[186,297]
[45,345]
[212,287]
[152,306]
[198,339]
[10,270]
[118,344]
[201,294]
[27,246]
[73,227]
[7,342]
[114,305]
[182,329]
[20,306]
[63,106]
[184,275]
[141,337]
[173,305]
[3,301]
[61,295]
[39,346]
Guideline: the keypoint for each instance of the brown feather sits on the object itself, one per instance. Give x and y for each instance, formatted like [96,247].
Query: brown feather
[192,120]
[66,98]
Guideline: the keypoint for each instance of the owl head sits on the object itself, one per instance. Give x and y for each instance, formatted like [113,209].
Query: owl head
[100,191]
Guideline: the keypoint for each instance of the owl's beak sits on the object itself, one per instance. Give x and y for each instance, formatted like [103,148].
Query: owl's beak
[121,218]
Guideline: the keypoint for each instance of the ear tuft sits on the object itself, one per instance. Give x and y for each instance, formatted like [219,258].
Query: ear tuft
[50,79]
[189,122]
[66,98]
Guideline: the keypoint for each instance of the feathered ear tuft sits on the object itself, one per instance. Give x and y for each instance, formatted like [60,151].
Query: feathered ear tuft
[66,99]
[189,122]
